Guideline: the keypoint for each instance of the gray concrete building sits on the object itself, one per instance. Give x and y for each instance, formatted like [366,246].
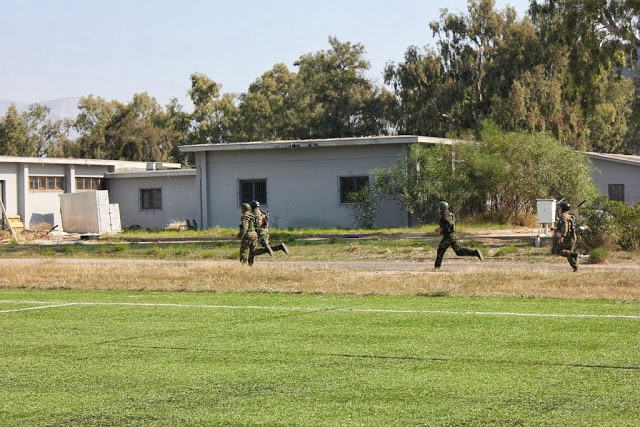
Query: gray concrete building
[31,186]
[302,183]
[617,175]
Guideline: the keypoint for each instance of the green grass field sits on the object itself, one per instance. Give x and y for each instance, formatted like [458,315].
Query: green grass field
[161,358]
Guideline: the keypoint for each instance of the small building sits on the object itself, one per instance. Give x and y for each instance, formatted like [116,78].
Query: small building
[30,186]
[153,199]
[302,183]
[617,175]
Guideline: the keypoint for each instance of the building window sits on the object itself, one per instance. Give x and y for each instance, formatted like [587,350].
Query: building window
[88,184]
[616,192]
[150,198]
[46,183]
[350,185]
[253,189]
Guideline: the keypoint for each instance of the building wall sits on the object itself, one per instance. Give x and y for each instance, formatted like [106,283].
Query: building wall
[611,172]
[9,174]
[302,184]
[178,199]
[44,206]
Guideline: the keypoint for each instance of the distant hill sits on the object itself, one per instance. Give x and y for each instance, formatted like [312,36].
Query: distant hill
[60,108]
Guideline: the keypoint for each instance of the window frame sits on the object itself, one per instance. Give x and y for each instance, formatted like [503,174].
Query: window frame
[46,183]
[357,186]
[260,196]
[616,192]
[154,201]
[94,182]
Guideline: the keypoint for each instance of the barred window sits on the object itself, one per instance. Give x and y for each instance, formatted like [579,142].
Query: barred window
[253,189]
[616,192]
[350,185]
[88,184]
[46,183]
[150,198]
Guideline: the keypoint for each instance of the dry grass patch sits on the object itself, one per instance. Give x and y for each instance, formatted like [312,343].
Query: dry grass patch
[221,276]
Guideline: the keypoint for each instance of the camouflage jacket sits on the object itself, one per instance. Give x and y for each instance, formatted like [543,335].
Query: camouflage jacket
[447,223]
[261,219]
[566,225]
[246,224]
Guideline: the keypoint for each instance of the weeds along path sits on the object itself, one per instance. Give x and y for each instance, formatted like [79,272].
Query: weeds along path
[457,277]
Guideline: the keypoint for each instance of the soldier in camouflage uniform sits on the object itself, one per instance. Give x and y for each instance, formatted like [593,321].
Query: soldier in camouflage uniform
[262,227]
[447,228]
[566,230]
[247,235]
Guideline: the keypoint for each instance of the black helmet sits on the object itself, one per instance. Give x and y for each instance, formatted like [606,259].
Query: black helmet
[443,205]
[254,204]
[565,206]
[245,207]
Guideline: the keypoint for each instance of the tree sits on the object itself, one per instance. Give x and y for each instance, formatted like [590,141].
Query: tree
[501,174]
[334,94]
[95,116]
[30,133]
[214,115]
[138,131]
[14,134]
[269,110]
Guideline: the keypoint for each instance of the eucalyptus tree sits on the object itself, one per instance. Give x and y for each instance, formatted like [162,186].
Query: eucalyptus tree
[270,110]
[30,133]
[138,131]
[334,94]
[214,118]
[91,123]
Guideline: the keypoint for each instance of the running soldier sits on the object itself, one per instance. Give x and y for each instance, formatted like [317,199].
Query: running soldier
[247,235]
[447,228]
[262,227]
[567,238]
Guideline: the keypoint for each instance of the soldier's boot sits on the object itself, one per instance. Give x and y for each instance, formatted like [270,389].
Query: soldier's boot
[266,246]
[281,247]
[479,255]
[574,256]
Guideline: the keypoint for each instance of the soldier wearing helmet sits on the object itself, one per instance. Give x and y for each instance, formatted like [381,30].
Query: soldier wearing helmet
[566,232]
[247,235]
[262,228]
[447,228]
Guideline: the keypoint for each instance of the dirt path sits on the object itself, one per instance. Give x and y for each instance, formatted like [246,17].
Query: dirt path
[449,264]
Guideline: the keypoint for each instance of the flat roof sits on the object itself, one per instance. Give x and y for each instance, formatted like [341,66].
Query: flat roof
[311,143]
[169,173]
[70,161]
[619,158]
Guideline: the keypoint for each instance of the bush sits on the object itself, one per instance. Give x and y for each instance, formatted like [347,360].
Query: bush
[611,225]
[506,250]
[362,208]
[598,256]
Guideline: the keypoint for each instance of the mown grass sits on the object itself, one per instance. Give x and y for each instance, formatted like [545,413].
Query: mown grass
[282,359]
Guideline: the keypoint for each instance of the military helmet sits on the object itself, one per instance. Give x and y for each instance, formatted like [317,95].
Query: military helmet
[245,207]
[254,204]
[443,205]
[565,206]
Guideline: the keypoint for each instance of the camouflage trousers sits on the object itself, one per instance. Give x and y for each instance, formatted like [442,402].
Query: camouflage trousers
[248,247]
[452,241]
[566,249]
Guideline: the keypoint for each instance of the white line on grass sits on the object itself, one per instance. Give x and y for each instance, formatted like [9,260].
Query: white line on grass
[41,307]
[317,309]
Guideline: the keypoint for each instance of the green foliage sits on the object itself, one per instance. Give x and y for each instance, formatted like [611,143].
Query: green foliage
[598,256]
[506,250]
[498,169]
[120,247]
[362,208]
[611,225]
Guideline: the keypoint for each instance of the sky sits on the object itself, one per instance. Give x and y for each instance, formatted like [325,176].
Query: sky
[51,49]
